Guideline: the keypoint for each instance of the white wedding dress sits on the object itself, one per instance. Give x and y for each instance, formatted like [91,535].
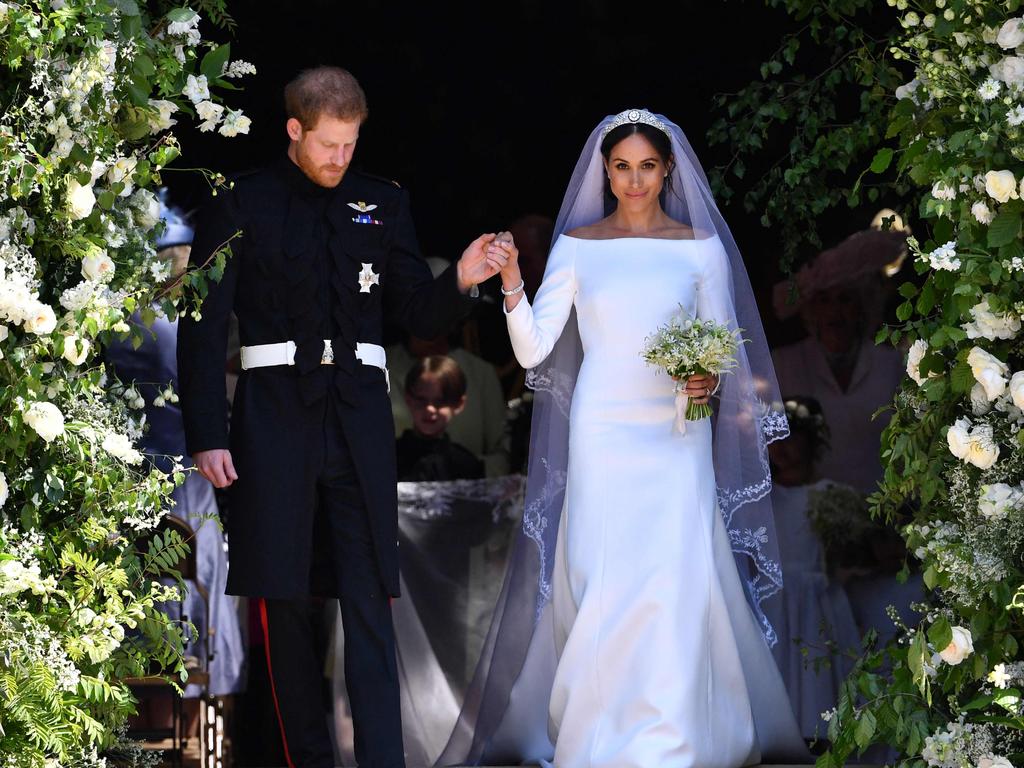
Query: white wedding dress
[660,662]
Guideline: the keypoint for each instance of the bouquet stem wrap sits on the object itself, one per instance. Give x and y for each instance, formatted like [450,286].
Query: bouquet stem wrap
[687,410]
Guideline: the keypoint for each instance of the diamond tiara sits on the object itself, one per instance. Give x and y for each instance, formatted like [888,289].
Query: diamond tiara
[635,116]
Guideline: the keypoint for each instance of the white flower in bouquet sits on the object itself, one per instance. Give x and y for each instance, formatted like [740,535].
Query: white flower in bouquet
[189,28]
[944,257]
[81,199]
[908,90]
[943,191]
[914,356]
[79,296]
[1011,34]
[1009,70]
[1016,387]
[989,89]
[146,208]
[959,648]
[196,89]
[120,447]
[46,419]
[163,119]
[1001,186]
[235,123]
[980,404]
[41,320]
[76,349]
[982,213]
[958,437]
[994,761]
[989,371]
[982,450]
[210,114]
[989,325]
[999,677]
[4,490]
[997,499]
[97,265]
[1015,116]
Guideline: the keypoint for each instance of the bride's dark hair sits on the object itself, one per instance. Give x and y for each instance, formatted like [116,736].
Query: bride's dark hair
[658,138]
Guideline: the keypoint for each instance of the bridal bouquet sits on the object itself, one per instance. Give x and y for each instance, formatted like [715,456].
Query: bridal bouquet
[686,347]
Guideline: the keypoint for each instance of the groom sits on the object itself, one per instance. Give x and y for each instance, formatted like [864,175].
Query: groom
[325,255]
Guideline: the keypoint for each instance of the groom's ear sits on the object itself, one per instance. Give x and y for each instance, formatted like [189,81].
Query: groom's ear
[294,128]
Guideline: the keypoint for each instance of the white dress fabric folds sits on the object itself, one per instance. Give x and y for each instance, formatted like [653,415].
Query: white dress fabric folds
[660,659]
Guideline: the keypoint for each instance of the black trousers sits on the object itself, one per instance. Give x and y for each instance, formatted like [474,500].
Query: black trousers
[371,673]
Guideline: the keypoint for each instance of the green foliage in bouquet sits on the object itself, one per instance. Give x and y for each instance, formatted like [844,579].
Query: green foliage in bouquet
[89,90]
[947,147]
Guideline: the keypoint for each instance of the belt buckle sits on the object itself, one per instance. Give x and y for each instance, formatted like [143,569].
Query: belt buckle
[328,356]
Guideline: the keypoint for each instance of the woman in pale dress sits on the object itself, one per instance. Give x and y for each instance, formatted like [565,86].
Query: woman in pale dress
[660,659]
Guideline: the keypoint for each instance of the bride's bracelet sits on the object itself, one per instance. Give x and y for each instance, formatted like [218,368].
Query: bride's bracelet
[514,291]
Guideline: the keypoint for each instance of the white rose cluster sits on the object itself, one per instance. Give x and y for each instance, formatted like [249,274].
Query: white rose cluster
[19,296]
[16,577]
[46,419]
[989,371]
[960,646]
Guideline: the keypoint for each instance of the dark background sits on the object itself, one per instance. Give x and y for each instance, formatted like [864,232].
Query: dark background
[481,109]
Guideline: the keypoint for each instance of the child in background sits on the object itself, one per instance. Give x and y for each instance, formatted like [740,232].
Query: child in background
[812,616]
[435,392]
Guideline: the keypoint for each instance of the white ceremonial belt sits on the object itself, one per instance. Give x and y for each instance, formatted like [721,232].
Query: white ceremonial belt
[283,353]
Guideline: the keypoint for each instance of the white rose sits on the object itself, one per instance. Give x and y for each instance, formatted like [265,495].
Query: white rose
[1017,389]
[76,350]
[120,447]
[123,171]
[46,419]
[41,320]
[147,208]
[982,213]
[989,325]
[959,648]
[914,356]
[1009,69]
[1011,34]
[995,761]
[997,499]
[81,200]
[958,438]
[982,450]
[98,266]
[4,490]
[989,371]
[1001,185]
[980,404]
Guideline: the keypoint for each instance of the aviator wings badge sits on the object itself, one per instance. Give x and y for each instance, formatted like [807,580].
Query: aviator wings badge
[362,207]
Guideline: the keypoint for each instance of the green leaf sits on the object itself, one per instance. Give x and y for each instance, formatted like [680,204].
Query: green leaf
[866,725]
[961,378]
[144,65]
[1004,229]
[181,14]
[904,311]
[908,290]
[214,62]
[940,634]
[881,160]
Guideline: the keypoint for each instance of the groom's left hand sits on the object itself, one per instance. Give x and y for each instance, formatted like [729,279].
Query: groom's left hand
[474,268]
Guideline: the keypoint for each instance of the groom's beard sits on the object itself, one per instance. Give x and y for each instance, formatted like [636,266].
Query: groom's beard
[328,175]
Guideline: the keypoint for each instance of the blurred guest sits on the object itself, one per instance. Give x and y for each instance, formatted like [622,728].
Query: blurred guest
[812,616]
[480,427]
[152,371]
[435,393]
[840,298]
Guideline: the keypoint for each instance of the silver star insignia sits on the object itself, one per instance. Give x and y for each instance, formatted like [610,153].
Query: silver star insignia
[367,277]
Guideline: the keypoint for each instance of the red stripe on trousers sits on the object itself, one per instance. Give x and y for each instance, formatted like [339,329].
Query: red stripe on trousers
[270,674]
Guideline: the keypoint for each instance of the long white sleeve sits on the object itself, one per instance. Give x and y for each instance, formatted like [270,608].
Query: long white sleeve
[714,293]
[534,329]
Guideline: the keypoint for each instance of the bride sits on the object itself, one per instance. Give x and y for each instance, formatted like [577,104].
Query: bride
[650,603]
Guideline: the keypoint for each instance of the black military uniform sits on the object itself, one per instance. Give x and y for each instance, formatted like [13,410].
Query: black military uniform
[313,443]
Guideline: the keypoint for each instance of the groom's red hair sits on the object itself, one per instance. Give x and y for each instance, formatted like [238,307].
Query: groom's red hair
[330,91]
